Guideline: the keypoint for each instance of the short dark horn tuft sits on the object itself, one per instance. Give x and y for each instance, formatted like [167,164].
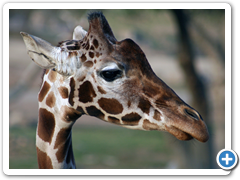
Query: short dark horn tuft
[94,15]
[97,18]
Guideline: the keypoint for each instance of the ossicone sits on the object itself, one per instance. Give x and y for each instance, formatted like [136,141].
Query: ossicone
[98,24]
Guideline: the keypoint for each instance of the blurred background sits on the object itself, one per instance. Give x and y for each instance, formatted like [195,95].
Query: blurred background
[185,48]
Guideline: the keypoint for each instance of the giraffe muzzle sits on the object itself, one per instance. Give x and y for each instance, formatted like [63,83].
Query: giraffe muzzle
[188,125]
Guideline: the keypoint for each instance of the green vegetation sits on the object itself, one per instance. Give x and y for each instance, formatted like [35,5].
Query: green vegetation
[22,150]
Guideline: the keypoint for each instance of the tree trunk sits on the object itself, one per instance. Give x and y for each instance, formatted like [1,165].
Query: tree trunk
[200,155]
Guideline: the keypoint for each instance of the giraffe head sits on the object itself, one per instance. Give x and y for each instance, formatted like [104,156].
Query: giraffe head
[112,80]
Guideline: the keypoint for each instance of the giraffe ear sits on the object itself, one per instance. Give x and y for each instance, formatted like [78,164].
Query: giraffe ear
[99,25]
[40,51]
[79,33]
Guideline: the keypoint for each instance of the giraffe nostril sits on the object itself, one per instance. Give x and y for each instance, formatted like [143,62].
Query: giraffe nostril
[192,114]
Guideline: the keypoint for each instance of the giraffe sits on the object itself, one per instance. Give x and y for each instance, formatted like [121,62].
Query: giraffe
[97,75]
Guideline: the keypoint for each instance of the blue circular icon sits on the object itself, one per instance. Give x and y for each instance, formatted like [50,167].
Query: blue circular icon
[227,159]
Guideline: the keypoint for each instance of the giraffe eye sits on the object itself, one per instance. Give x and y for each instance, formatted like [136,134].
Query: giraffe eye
[110,75]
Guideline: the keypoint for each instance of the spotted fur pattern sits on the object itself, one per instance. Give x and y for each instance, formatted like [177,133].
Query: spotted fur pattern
[135,98]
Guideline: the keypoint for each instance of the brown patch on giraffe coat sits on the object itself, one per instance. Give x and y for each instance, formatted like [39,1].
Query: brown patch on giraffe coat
[95,43]
[46,71]
[131,119]
[52,76]
[113,120]
[73,53]
[93,76]
[81,78]
[44,161]
[43,91]
[91,48]
[168,98]
[80,109]
[131,89]
[135,58]
[88,64]
[72,88]
[87,45]
[83,58]
[129,103]
[83,43]
[144,105]
[157,115]
[62,79]
[111,106]
[63,92]
[46,125]
[97,54]
[91,54]
[62,136]
[101,90]
[93,111]
[150,89]
[51,99]
[62,143]
[86,92]
[69,114]
[147,125]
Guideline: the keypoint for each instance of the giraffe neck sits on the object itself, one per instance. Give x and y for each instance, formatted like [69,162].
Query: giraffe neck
[54,144]
[55,121]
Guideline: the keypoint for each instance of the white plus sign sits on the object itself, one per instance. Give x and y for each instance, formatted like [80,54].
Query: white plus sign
[227,159]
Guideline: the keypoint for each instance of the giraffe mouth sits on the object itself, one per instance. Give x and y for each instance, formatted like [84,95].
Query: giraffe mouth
[185,136]
[179,134]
